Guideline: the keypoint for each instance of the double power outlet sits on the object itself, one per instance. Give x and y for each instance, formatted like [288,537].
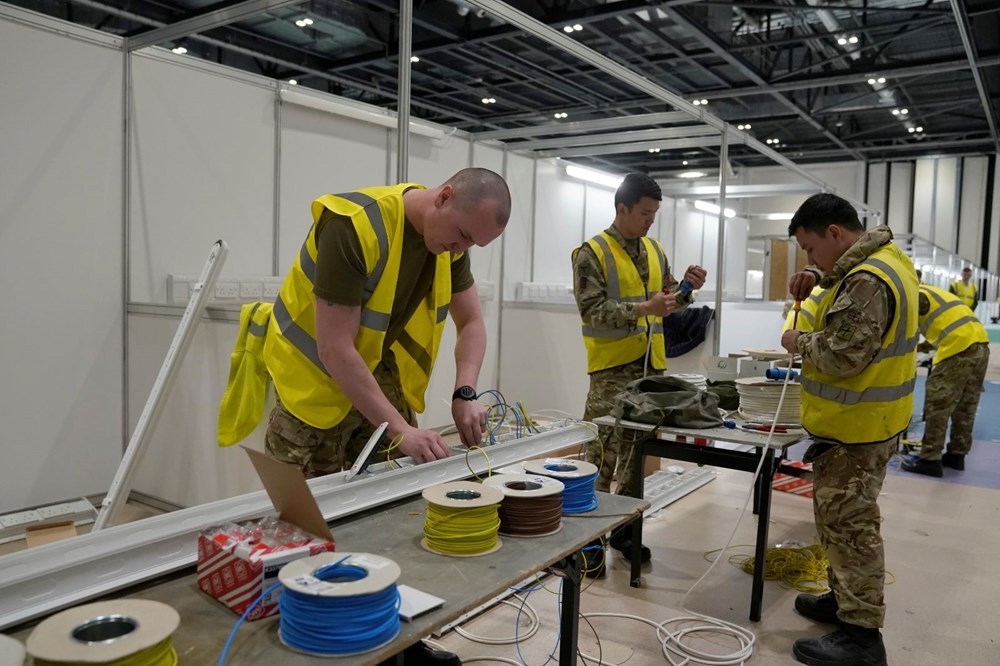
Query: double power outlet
[229,291]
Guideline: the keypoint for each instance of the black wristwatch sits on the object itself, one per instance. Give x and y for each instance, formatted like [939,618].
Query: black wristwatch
[464,393]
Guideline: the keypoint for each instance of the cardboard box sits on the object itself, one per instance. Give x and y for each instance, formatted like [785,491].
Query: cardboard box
[237,570]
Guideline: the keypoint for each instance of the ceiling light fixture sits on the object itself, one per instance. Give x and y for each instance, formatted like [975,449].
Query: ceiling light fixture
[853,39]
[696,102]
[489,100]
[414,59]
[903,112]
[920,129]
[592,176]
[842,41]
[779,216]
[895,112]
[654,150]
[567,28]
[179,50]
[684,162]
[880,79]
[364,113]
[911,130]
[871,82]
[577,27]
[304,21]
[293,82]
[712,208]
[692,174]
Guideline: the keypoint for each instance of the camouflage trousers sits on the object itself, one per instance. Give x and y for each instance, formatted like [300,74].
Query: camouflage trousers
[318,451]
[848,480]
[953,391]
[615,460]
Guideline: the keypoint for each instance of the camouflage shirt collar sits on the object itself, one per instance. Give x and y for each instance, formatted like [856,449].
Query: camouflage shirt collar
[866,244]
[630,246]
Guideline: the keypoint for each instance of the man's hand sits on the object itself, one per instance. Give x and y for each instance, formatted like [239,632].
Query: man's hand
[696,276]
[660,305]
[801,285]
[470,419]
[788,339]
[423,445]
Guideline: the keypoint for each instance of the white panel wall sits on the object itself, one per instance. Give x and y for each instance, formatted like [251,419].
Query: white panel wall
[322,153]
[972,211]
[559,215]
[946,204]
[600,212]
[924,185]
[900,196]
[878,184]
[202,169]
[61,261]
[517,237]
[846,177]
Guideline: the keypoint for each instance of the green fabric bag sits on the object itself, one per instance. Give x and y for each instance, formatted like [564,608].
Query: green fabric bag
[667,401]
[729,396]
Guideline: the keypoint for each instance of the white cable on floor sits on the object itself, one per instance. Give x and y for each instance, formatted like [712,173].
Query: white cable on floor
[532,630]
[672,642]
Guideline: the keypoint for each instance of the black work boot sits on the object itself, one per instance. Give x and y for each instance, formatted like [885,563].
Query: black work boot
[621,540]
[594,556]
[849,645]
[821,608]
[921,466]
[421,654]
[954,460]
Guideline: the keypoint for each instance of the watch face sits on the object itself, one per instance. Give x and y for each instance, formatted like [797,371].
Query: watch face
[466,393]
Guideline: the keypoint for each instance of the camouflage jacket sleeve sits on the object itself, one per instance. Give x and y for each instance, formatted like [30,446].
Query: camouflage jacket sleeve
[591,292]
[855,324]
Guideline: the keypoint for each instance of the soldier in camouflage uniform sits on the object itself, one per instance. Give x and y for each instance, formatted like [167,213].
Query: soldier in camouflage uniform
[636,203]
[859,364]
[955,382]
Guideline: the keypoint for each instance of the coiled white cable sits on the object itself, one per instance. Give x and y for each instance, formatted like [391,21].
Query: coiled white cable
[487,640]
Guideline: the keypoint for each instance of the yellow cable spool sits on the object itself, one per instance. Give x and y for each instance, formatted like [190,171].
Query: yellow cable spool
[462,519]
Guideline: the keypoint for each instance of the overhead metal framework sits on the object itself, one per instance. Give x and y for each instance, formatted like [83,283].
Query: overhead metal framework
[796,71]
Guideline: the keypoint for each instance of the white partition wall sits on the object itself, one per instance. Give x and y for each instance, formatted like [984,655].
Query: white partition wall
[900,197]
[61,260]
[972,209]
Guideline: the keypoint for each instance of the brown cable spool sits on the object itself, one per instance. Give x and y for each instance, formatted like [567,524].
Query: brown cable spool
[531,506]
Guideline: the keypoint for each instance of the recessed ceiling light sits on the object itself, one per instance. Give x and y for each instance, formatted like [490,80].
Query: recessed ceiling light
[704,102]
[842,41]
[577,27]
[881,79]
[179,50]
[911,130]
[853,39]
[696,102]
[685,162]
[567,28]
[486,100]
[871,82]
[293,82]
[904,111]
[691,174]
[304,21]
[920,129]
[895,112]
[414,59]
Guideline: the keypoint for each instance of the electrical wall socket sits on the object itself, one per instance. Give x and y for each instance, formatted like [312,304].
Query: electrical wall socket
[55,511]
[271,289]
[22,518]
[251,290]
[227,290]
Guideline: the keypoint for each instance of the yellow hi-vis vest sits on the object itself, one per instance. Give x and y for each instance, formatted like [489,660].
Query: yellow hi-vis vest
[949,325]
[300,378]
[967,293]
[877,403]
[807,312]
[242,403]
[608,348]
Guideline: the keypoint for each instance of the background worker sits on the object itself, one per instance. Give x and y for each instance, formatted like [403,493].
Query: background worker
[965,290]
[955,382]
[356,326]
[858,371]
[619,277]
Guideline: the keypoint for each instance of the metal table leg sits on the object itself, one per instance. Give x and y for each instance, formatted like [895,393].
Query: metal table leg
[763,518]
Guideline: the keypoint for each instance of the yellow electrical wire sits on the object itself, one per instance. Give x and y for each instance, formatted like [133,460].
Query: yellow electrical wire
[489,464]
[396,441]
[461,531]
[161,654]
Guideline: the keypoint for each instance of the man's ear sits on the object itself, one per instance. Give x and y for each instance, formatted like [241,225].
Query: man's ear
[834,231]
[621,209]
[446,193]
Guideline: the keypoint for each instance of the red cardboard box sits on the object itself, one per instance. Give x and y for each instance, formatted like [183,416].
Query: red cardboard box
[797,485]
[239,561]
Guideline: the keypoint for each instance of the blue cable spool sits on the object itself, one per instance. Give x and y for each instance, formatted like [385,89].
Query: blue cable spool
[577,476]
[339,604]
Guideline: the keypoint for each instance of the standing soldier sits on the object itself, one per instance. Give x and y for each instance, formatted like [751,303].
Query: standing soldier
[624,288]
[955,383]
[858,372]
[965,290]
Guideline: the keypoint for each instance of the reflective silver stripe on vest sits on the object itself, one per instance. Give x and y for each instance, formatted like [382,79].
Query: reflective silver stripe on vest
[307,263]
[943,307]
[817,298]
[442,313]
[902,345]
[658,328]
[847,397]
[663,262]
[374,213]
[260,330]
[611,268]
[296,335]
[377,321]
[616,333]
[935,296]
[955,324]
[418,353]
[808,316]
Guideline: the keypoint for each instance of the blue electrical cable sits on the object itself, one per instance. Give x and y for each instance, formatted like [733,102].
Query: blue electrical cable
[578,494]
[332,625]
[339,625]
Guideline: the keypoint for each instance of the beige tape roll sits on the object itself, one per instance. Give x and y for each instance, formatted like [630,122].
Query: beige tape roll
[102,632]
[463,495]
[525,485]
[300,575]
[11,651]
[560,468]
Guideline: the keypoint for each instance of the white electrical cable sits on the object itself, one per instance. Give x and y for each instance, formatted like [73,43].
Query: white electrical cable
[532,630]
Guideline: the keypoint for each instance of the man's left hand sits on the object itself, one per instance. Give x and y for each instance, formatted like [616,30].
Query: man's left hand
[470,419]
[788,339]
[696,276]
